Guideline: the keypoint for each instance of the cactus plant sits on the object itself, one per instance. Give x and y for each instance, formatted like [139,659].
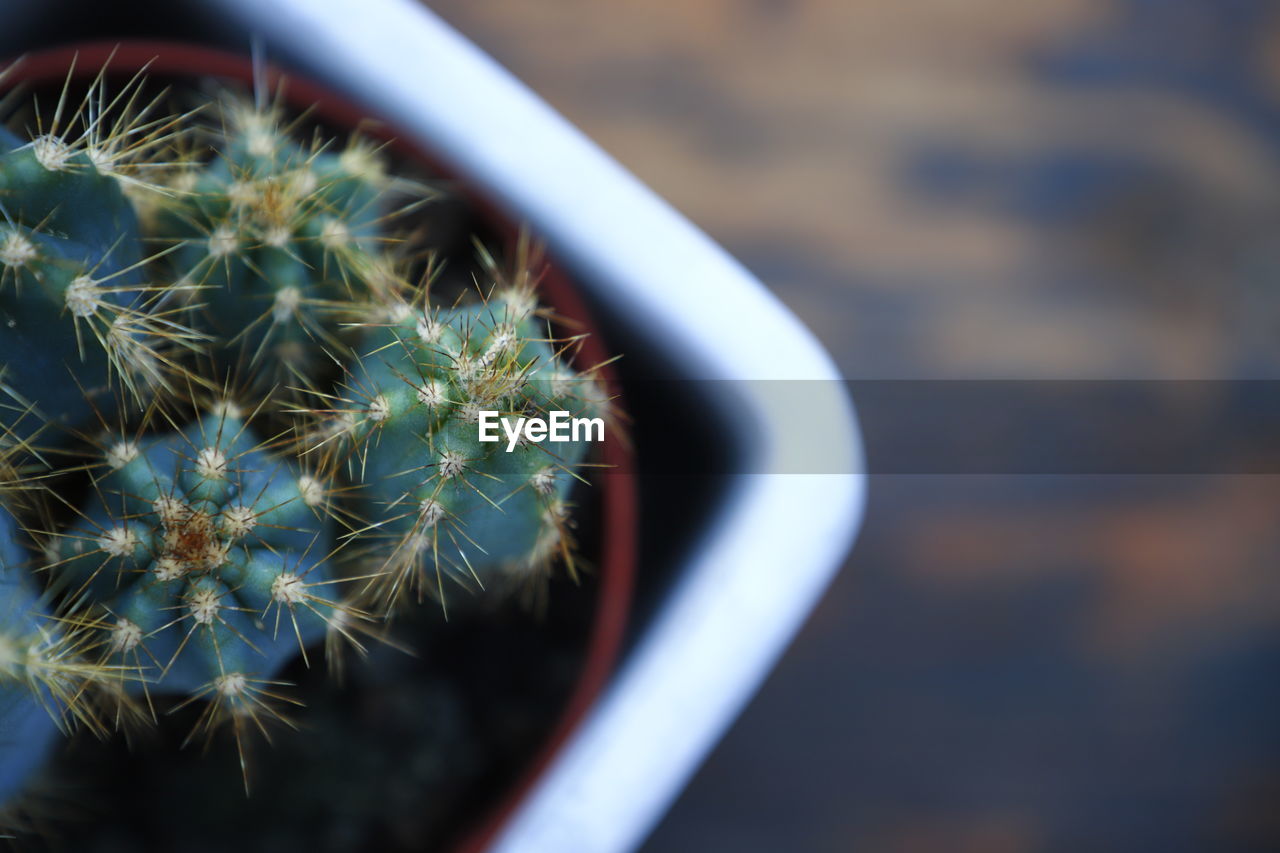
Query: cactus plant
[294,451]
[284,241]
[48,670]
[209,554]
[443,499]
[77,313]
[28,729]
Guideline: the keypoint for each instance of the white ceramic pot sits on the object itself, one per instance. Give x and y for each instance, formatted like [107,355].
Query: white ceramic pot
[774,537]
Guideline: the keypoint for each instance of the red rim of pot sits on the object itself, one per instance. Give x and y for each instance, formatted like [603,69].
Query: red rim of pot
[617,490]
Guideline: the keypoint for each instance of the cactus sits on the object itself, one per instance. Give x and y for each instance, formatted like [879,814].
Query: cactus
[77,312]
[208,556]
[27,730]
[293,453]
[49,676]
[284,242]
[440,502]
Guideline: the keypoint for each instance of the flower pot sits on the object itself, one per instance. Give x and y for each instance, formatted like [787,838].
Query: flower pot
[714,610]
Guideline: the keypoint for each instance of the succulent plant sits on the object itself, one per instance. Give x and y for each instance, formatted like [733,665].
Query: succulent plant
[444,498]
[259,423]
[210,556]
[27,730]
[50,677]
[76,311]
[285,242]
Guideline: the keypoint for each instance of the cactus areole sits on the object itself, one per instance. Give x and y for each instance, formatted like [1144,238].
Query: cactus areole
[199,554]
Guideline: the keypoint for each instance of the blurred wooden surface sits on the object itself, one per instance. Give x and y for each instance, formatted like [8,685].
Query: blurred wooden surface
[993,188]
[785,129]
